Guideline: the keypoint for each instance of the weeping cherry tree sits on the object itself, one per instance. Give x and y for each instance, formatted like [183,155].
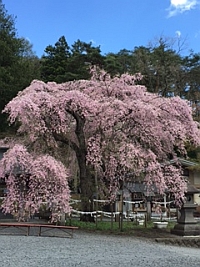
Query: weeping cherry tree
[113,126]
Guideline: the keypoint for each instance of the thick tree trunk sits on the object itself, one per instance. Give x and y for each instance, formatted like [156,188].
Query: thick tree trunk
[86,179]
[87,189]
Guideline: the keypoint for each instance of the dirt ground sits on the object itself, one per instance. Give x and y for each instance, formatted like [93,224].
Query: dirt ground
[154,233]
[160,236]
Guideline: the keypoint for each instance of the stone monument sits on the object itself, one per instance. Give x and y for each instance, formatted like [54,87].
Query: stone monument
[186,223]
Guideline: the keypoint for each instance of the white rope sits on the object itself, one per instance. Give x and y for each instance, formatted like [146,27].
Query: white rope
[95,212]
[84,212]
[109,214]
[72,201]
[134,202]
[156,202]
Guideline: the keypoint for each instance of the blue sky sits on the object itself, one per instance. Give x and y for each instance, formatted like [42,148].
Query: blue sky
[112,24]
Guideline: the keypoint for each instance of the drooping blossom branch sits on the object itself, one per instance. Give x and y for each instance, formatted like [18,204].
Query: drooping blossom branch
[33,181]
[114,127]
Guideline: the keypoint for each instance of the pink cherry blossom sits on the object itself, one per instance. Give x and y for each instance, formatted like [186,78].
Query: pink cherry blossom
[33,181]
[113,126]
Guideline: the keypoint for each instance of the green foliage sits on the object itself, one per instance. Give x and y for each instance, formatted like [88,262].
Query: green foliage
[112,64]
[160,65]
[164,70]
[84,55]
[54,65]
[18,64]
[165,67]
[62,63]
[192,79]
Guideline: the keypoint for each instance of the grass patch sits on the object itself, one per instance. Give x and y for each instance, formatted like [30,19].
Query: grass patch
[128,227]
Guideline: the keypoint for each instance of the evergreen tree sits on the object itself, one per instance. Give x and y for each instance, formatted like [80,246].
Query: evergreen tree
[192,81]
[55,62]
[83,56]
[18,64]
[62,63]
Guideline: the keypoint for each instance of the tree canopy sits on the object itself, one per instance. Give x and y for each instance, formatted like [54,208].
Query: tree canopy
[113,126]
[62,63]
[164,69]
[18,64]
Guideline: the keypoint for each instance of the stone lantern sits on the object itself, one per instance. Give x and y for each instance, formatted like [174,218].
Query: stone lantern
[186,223]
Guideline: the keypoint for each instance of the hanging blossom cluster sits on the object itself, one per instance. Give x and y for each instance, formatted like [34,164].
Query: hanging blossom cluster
[113,124]
[33,182]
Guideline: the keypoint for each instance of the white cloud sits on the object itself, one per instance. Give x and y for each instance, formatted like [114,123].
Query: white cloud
[92,41]
[96,44]
[28,39]
[178,2]
[178,34]
[180,6]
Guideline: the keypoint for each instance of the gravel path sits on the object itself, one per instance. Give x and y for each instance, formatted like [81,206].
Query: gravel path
[89,250]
